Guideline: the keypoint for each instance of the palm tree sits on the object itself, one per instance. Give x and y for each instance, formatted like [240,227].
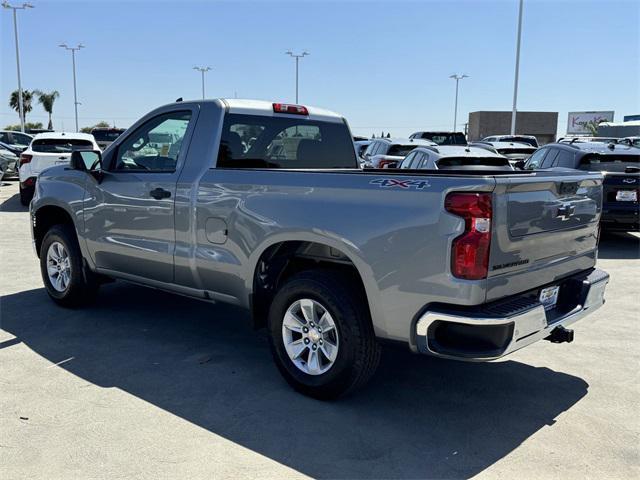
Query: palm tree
[14,102]
[47,100]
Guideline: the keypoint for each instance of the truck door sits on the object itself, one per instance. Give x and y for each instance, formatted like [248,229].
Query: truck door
[129,214]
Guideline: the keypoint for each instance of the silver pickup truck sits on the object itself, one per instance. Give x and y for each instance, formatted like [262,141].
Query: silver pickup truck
[263,205]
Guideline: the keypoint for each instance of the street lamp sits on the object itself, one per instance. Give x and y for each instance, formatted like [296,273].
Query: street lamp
[24,6]
[457,78]
[515,80]
[73,60]
[297,57]
[202,70]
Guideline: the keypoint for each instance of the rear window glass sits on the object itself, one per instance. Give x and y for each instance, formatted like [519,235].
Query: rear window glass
[609,163]
[479,161]
[106,135]
[400,150]
[256,141]
[60,145]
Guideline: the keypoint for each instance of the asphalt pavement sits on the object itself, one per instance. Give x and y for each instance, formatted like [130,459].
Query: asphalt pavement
[145,384]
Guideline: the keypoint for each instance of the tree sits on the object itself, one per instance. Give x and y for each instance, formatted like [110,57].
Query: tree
[47,100]
[592,126]
[388,135]
[102,124]
[14,102]
[27,126]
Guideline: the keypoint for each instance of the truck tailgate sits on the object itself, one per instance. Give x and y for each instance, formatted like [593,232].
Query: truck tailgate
[545,228]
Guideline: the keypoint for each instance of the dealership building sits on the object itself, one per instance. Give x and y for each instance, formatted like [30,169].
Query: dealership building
[543,125]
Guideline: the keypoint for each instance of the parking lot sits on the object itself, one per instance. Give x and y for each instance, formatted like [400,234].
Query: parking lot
[148,384]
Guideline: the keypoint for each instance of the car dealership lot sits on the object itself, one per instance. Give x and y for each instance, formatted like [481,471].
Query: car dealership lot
[148,384]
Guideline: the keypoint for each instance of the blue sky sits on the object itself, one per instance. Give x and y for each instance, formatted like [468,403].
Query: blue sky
[384,65]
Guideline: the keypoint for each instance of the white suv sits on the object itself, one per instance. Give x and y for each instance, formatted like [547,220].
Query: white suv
[46,150]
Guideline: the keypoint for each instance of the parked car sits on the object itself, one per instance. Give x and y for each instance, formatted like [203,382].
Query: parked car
[527,139]
[467,265]
[46,150]
[454,157]
[16,142]
[441,138]
[105,136]
[9,163]
[631,141]
[620,165]
[514,151]
[387,152]
[361,147]
[585,139]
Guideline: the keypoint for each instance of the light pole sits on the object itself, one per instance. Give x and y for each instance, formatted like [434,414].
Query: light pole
[202,70]
[297,57]
[24,6]
[73,60]
[515,80]
[457,78]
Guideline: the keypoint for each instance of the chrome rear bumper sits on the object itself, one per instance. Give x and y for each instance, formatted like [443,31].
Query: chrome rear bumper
[479,336]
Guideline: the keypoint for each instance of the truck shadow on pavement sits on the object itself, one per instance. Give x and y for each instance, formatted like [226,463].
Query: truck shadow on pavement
[619,245]
[419,417]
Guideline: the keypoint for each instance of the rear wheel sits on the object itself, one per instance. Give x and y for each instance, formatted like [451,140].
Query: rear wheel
[65,279]
[321,335]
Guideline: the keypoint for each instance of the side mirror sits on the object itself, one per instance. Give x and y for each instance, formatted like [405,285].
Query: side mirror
[86,160]
[519,165]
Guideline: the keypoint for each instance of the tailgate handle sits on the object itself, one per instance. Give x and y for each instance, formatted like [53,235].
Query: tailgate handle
[568,188]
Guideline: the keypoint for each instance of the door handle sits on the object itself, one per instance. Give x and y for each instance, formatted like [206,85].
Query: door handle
[160,193]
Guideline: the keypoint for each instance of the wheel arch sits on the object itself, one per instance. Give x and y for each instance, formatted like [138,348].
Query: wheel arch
[280,258]
[47,216]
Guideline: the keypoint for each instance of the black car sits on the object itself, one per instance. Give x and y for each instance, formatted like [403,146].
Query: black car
[620,165]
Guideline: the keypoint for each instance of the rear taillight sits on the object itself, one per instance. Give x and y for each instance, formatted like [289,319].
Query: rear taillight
[470,251]
[387,163]
[288,108]
[25,158]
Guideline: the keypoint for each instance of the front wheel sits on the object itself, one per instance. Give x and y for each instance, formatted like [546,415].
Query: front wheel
[65,280]
[321,335]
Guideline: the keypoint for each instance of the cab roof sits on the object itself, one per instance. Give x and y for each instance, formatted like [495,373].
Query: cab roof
[263,107]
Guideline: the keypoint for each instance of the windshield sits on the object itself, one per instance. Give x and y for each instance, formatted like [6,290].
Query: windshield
[445,138]
[21,139]
[106,135]
[60,145]
[528,141]
[400,150]
[609,163]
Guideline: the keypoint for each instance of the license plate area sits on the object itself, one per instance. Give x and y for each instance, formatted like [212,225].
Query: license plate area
[626,196]
[549,297]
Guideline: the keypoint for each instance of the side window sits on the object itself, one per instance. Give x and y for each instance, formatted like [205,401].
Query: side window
[4,137]
[565,159]
[408,160]
[547,162]
[155,146]
[536,159]
[372,146]
[426,162]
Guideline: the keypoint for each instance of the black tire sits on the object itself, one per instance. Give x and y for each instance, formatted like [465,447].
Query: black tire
[359,352]
[26,194]
[83,285]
